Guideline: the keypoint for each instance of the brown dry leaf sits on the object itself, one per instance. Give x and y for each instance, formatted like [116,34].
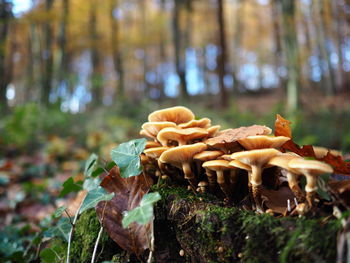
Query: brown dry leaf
[229,137]
[342,188]
[277,200]
[128,194]
[282,128]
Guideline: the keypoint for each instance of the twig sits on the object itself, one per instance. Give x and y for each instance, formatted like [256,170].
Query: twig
[72,230]
[99,234]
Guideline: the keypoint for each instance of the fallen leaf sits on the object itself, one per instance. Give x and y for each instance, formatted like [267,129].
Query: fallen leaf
[277,200]
[228,138]
[128,194]
[282,128]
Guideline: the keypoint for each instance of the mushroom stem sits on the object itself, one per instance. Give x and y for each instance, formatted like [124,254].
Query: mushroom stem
[233,178]
[222,183]
[256,182]
[310,188]
[211,179]
[189,175]
[294,186]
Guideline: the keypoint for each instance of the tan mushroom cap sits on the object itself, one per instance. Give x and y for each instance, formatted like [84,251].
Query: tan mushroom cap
[207,155]
[226,157]
[311,166]
[217,165]
[153,128]
[213,130]
[283,160]
[240,165]
[155,152]
[202,184]
[201,123]
[321,152]
[152,144]
[178,114]
[263,141]
[255,157]
[181,154]
[146,134]
[182,136]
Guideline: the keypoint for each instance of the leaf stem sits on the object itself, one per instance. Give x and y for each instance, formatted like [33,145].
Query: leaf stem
[96,244]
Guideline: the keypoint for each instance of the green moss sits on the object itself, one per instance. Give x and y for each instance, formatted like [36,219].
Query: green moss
[209,232]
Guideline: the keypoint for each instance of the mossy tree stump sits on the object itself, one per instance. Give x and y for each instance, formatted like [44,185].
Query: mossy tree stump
[209,232]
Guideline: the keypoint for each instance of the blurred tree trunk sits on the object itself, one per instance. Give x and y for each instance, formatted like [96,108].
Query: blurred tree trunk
[277,49]
[327,74]
[47,55]
[5,16]
[338,30]
[64,61]
[97,78]
[143,10]
[179,53]
[290,45]
[237,43]
[222,56]
[162,53]
[116,49]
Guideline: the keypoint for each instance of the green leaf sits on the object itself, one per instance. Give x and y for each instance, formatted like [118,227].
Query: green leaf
[95,196]
[143,213]
[70,186]
[58,212]
[127,157]
[91,183]
[50,255]
[62,229]
[90,164]
[97,172]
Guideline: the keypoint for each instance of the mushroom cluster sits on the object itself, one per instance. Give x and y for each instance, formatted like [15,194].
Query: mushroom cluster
[242,165]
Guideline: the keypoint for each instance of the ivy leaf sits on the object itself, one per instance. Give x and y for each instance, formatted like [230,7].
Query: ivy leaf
[90,164]
[91,183]
[143,213]
[50,255]
[95,196]
[97,172]
[127,157]
[58,212]
[70,186]
[62,229]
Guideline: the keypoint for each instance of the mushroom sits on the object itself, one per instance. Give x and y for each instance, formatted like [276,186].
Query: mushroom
[311,169]
[201,123]
[256,159]
[202,187]
[321,152]
[178,114]
[282,161]
[152,144]
[219,166]
[152,128]
[213,130]
[262,141]
[154,153]
[181,136]
[181,157]
[207,156]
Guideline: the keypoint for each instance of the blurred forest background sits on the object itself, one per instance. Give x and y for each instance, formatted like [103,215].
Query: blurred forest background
[96,68]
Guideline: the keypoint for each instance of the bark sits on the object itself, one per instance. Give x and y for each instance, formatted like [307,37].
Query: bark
[276,31]
[116,50]
[290,45]
[162,54]
[222,56]
[5,16]
[143,11]
[47,56]
[178,52]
